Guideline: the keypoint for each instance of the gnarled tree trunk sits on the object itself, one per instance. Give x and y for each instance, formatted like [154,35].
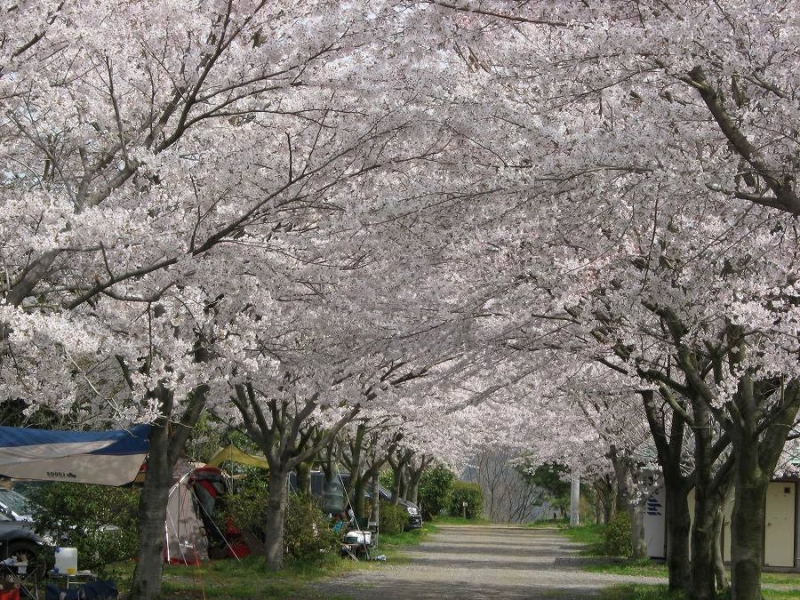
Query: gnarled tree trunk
[146,584]
[275,518]
[757,449]
[678,531]
[706,505]
[669,445]
[165,449]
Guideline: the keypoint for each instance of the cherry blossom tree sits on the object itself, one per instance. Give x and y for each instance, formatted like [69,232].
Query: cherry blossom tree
[167,187]
[219,199]
[666,133]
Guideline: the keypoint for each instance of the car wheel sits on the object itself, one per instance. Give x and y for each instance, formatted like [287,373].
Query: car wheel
[33,553]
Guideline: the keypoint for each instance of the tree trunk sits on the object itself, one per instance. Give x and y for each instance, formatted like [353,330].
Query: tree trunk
[399,464]
[303,472]
[706,505]
[146,584]
[703,546]
[669,443]
[678,531]
[398,475]
[623,497]
[278,437]
[757,453]
[402,492]
[415,476]
[275,519]
[638,541]
[605,496]
[747,535]
[719,563]
[413,492]
[375,517]
[359,497]
[747,522]
[165,449]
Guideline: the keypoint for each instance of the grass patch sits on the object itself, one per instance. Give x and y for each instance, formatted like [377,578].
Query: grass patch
[406,538]
[591,536]
[229,578]
[660,592]
[392,545]
[648,568]
[780,594]
[780,578]
[640,592]
[625,566]
[249,578]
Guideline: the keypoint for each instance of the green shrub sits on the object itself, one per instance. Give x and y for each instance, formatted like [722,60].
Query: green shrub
[469,493]
[307,530]
[435,488]
[617,536]
[393,518]
[99,521]
[307,534]
[246,506]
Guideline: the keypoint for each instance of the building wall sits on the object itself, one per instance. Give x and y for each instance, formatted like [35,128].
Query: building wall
[655,524]
[779,536]
[782,529]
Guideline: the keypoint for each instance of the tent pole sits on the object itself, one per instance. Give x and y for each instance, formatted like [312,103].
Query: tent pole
[222,535]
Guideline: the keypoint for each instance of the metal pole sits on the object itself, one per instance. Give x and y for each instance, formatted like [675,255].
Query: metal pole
[575,496]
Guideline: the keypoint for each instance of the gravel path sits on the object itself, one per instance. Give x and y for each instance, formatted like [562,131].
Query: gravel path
[480,563]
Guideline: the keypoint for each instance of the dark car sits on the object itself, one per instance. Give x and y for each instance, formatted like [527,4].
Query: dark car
[18,540]
[332,496]
[414,516]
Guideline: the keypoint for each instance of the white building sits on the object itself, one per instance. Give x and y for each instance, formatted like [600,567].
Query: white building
[781,532]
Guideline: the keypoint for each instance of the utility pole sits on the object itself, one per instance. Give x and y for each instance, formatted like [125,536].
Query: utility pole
[574,501]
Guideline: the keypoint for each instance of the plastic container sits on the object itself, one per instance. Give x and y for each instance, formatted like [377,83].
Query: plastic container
[66,561]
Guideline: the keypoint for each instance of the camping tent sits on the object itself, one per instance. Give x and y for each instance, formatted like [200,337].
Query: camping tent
[101,457]
[233,454]
[190,512]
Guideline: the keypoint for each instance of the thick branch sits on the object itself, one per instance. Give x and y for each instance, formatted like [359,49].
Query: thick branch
[785,197]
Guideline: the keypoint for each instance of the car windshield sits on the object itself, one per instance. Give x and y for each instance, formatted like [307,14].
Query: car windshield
[16,503]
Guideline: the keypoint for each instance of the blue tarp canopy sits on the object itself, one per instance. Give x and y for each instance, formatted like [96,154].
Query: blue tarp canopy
[102,457]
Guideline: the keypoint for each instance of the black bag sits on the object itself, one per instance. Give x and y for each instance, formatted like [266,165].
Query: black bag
[53,592]
[92,590]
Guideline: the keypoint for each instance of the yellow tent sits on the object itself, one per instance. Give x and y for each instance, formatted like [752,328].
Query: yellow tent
[233,454]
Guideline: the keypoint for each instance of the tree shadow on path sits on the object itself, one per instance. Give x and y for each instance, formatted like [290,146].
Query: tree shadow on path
[475,563]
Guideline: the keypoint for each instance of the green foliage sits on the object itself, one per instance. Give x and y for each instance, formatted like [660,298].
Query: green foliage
[308,534]
[550,477]
[247,505]
[393,518]
[386,478]
[435,488]
[470,493]
[307,530]
[617,536]
[100,521]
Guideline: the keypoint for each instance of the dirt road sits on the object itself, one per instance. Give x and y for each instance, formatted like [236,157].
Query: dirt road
[480,563]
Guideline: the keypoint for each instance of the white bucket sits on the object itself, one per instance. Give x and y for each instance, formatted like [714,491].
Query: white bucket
[66,561]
